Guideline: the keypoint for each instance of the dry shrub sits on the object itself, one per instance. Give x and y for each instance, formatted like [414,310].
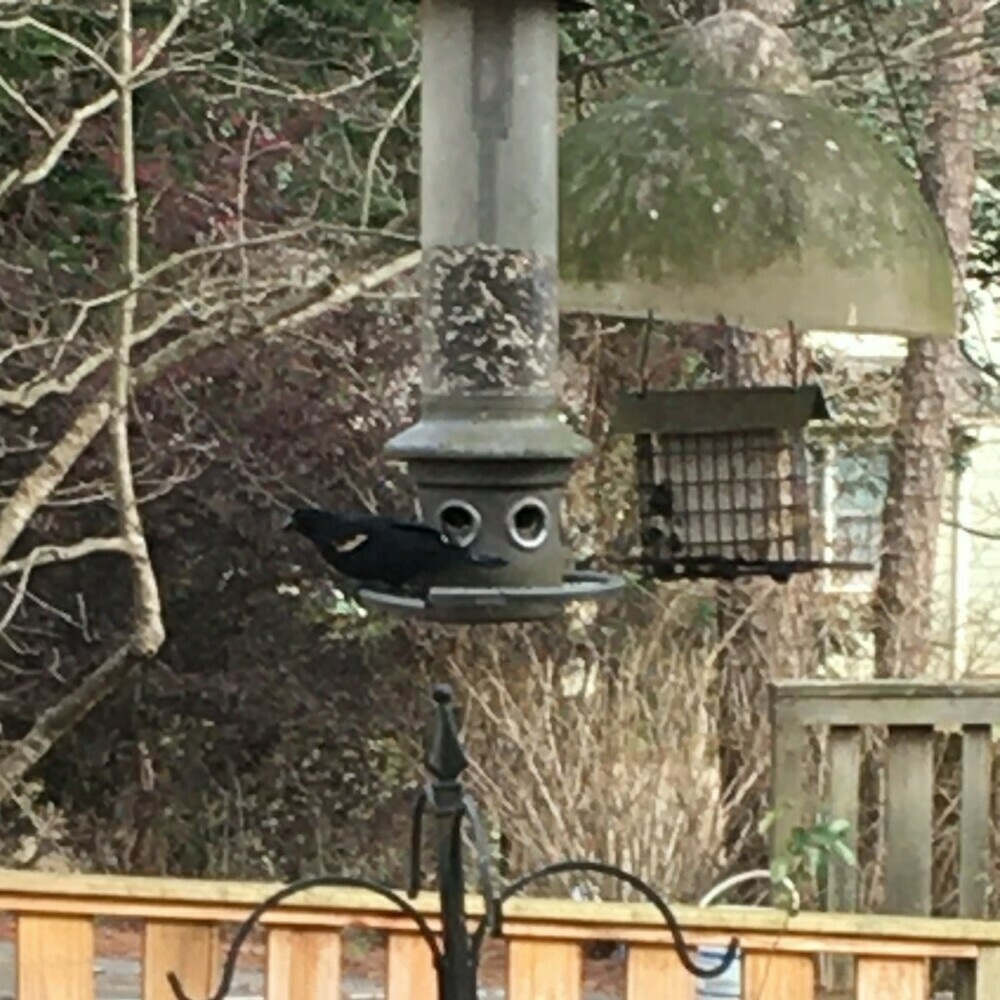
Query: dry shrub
[610,753]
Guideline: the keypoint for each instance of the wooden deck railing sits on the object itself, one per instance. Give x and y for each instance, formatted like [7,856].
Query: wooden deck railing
[913,711]
[182,921]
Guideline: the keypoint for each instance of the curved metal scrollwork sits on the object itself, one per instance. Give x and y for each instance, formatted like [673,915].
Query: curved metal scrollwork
[601,868]
[275,899]
[456,960]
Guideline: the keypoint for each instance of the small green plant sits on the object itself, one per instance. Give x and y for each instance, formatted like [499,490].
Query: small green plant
[342,615]
[808,851]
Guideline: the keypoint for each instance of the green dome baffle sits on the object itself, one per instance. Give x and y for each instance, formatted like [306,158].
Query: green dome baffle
[763,207]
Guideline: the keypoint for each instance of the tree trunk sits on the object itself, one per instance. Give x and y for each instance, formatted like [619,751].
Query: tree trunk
[767,628]
[921,441]
[55,722]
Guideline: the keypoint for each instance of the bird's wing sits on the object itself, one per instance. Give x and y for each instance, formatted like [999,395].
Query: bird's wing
[355,541]
[423,529]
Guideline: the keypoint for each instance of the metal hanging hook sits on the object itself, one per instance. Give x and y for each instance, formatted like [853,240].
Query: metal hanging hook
[456,957]
[275,899]
[601,868]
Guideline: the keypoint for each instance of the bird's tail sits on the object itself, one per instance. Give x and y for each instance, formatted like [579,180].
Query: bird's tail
[487,561]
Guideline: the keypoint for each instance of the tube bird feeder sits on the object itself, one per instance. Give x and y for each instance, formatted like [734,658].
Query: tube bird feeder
[491,454]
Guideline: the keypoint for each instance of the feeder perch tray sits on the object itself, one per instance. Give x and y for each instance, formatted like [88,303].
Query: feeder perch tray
[470,605]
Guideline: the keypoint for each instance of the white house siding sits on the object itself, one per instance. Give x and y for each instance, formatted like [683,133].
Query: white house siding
[967,575]
[977,573]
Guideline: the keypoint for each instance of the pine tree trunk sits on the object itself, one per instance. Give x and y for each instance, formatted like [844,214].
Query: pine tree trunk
[767,628]
[921,441]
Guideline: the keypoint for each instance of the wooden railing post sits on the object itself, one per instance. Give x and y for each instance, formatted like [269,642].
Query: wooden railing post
[55,958]
[974,829]
[974,846]
[788,977]
[410,971]
[893,978]
[303,964]
[657,971]
[789,756]
[544,970]
[986,977]
[842,801]
[190,950]
[909,820]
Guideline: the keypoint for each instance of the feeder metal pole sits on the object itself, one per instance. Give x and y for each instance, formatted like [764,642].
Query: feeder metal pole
[446,761]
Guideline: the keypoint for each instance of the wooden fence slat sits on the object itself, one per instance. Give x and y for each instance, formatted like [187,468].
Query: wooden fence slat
[410,973]
[988,973]
[550,970]
[842,799]
[657,972]
[977,979]
[190,950]
[789,754]
[893,978]
[909,820]
[974,844]
[303,964]
[974,822]
[55,958]
[768,975]
[844,749]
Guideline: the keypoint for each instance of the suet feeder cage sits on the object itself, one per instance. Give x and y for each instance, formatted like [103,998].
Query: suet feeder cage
[723,480]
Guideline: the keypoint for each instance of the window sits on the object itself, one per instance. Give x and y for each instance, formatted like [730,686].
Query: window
[850,488]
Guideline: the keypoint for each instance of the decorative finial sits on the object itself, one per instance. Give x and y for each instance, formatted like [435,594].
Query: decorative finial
[446,758]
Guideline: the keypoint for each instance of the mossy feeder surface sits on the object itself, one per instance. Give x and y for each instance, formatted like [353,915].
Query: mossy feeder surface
[765,208]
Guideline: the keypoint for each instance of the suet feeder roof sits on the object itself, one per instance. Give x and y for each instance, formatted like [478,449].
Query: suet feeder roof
[745,198]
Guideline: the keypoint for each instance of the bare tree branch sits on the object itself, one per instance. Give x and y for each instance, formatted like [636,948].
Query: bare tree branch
[48,555]
[376,150]
[24,397]
[39,484]
[18,598]
[28,176]
[149,628]
[45,384]
[991,536]
[19,99]
[56,721]
[27,21]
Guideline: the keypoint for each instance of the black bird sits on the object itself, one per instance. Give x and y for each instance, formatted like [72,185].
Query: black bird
[661,500]
[372,549]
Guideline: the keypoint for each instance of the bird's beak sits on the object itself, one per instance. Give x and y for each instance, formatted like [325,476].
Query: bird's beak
[289,525]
